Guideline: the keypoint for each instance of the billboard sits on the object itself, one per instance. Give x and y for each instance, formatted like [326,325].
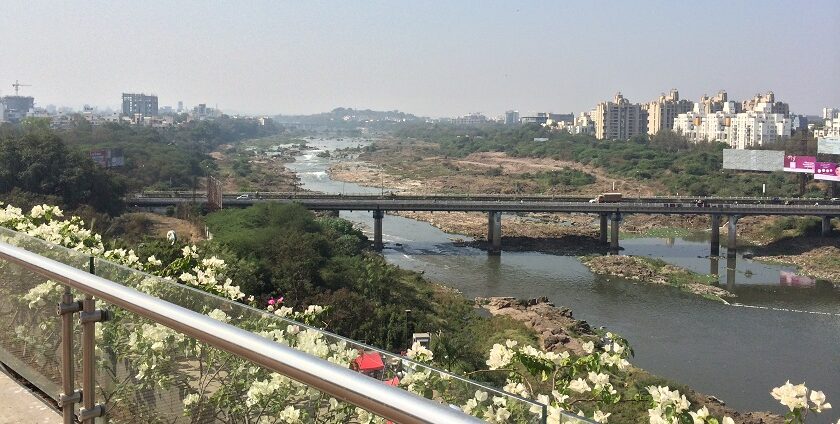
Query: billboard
[829,145]
[828,171]
[804,164]
[108,158]
[753,160]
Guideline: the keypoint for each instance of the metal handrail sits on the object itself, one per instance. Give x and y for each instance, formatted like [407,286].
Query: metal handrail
[388,402]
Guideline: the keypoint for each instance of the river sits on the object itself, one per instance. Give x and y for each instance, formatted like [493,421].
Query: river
[738,353]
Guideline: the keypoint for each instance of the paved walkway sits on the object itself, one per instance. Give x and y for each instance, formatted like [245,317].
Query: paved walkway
[19,406]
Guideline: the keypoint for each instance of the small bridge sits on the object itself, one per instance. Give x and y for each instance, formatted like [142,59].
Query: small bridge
[494,206]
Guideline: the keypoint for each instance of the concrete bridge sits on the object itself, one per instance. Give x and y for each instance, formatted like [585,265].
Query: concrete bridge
[610,214]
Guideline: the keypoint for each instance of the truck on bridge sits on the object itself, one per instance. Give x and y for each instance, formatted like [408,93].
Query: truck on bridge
[607,198]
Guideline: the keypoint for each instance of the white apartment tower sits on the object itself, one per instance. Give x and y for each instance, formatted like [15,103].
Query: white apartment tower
[619,119]
[662,112]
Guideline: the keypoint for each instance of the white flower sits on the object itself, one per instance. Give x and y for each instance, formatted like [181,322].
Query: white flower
[818,399]
[599,380]
[588,347]
[419,352]
[600,417]
[728,420]
[579,385]
[792,396]
[500,357]
[700,416]
[290,415]
[191,399]
[218,315]
[480,395]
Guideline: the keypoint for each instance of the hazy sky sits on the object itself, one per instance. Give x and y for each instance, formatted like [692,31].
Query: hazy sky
[440,58]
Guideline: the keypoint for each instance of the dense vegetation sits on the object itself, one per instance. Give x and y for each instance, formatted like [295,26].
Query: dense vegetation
[287,251]
[37,166]
[681,166]
[165,158]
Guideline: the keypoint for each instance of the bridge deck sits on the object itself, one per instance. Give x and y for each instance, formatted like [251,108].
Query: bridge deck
[451,205]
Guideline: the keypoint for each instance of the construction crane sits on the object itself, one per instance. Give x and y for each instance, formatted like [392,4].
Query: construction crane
[17,85]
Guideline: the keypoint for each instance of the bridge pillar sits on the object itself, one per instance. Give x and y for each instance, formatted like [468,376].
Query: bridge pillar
[715,242]
[616,218]
[377,229]
[731,245]
[603,234]
[494,232]
[826,226]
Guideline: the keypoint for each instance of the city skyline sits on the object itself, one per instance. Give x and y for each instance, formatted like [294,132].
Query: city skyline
[428,59]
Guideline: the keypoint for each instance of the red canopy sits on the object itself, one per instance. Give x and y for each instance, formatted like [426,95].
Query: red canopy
[369,361]
[393,382]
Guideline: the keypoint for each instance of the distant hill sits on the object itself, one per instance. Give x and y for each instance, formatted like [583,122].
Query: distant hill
[341,116]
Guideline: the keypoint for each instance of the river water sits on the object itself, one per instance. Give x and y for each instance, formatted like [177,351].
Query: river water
[771,333]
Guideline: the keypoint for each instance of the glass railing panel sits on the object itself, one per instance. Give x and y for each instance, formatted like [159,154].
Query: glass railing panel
[118,375]
[387,367]
[30,333]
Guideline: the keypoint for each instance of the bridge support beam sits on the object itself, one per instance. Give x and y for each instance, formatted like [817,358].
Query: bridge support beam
[731,245]
[715,241]
[603,234]
[494,232]
[616,218]
[377,229]
[826,226]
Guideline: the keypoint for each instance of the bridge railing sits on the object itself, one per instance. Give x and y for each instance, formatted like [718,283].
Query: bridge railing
[171,353]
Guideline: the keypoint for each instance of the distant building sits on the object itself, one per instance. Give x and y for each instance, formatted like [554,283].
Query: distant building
[715,104]
[16,107]
[751,128]
[766,103]
[471,119]
[662,112]
[830,113]
[568,118]
[180,106]
[142,104]
[584,124]
[512,117]
[2,112]
[831,127]
[265,121]
[619,119]
[540,118]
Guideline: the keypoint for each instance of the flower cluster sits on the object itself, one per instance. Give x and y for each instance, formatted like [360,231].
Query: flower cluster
[796,398]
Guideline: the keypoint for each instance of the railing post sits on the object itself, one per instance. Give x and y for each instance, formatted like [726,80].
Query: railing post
[69,396]
[88,318]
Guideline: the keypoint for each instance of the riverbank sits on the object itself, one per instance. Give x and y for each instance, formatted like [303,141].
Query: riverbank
[655,271]
[559,331]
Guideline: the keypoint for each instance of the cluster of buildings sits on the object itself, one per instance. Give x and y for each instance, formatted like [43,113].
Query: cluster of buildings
[749,123]
[831,124]
[137,109]
[142,109]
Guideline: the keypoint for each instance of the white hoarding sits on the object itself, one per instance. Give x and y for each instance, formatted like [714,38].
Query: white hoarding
[829,145]
[753,160]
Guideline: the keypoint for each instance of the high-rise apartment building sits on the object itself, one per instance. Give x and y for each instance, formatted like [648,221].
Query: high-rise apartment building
[15,108]
[139,104]
[662,112]
[740,130]
[766,103]
[619,119]
[715,104]
[512,117]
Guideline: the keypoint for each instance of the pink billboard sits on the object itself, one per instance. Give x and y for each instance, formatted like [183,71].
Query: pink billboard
[827,171]
[803,164]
